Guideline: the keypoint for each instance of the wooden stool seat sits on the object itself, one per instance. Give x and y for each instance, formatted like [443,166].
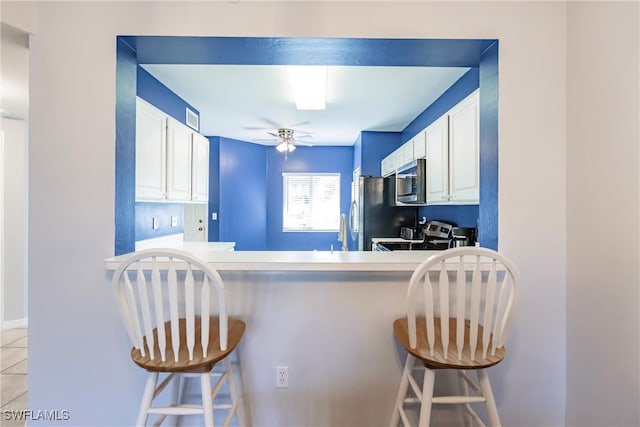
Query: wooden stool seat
[438,361]
[199,363]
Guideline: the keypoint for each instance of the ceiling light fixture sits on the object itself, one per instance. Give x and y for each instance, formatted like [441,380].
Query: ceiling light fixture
[285,147]
[309,85]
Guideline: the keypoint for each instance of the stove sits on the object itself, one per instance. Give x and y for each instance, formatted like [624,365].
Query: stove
[427,245]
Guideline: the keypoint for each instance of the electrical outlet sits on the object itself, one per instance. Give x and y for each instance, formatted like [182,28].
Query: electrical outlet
[282,377]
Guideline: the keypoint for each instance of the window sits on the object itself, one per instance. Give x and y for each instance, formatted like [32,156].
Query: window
[311,202]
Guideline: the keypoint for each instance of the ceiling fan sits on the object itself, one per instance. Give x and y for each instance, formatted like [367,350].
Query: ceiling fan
[287,141]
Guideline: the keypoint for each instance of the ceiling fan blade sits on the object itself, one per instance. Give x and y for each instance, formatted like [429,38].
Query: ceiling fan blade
[274,134]
[256,128]
[270,122]
[303,144]
[304,136]
[297,125]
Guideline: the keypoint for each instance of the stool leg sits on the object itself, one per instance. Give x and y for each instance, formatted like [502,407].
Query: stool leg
[207,403]
[147,398]
[235,396]
[464,389]
[427,397]
[175,397]
[402,390]
[485,386]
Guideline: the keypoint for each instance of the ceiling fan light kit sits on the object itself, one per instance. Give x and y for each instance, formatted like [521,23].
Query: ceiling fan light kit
[285,147]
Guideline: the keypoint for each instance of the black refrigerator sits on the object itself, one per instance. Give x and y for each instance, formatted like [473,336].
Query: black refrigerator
[374,214]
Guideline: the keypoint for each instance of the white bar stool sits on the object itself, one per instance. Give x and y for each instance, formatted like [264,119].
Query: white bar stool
[165,301]
[467,295]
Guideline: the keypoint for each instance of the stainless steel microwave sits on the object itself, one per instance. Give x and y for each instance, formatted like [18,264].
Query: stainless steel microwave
[411,183]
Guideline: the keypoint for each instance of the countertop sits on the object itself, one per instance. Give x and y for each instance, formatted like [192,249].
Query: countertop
[300,260]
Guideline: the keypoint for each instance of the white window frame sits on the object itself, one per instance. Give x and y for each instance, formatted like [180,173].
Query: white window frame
[311,228]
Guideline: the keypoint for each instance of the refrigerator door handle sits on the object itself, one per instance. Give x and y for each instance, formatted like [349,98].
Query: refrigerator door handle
[352,220]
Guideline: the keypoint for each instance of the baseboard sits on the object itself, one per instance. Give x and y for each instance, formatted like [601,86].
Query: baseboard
[18,323]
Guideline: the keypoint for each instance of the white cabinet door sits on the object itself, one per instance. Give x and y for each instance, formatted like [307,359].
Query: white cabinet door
[388,165]
[464,138]
[419,146]
[200,168]
[437,146]
[151,128]
[407,152]
[178,161]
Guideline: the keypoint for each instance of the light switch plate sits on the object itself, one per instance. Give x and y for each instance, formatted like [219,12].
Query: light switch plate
[155,223]
[174,221]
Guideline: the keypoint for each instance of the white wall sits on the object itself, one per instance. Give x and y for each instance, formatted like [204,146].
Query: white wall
[14,73]
[14,263]
[72,167]
[603,149]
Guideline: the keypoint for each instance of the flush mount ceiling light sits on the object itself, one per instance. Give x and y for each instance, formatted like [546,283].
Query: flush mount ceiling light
[309,85]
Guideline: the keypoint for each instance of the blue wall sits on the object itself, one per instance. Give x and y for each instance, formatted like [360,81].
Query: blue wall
[214,189]
[462,88]
[145,212]
[312,160]
[250,200]
[488,215]
[375,146]
[242,216]
[125,148]
[160,96]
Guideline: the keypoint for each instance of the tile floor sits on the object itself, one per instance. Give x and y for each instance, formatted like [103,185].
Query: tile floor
[13,373]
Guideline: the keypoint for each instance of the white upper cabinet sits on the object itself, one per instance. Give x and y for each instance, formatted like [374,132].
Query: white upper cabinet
[453,158]
[419,145]
[151,171]
[407,153]
[178,161]
[172,161]
[464,155]
[437,146]
[388,165]
[200,169]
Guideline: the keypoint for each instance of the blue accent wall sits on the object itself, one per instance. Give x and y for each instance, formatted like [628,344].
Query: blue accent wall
[488,214]
[308,51]
[459,215]
[125,148]
[155,93]
[305,160]
[145,212]
[462,88]
[214,188]
[375,146]
[242,216]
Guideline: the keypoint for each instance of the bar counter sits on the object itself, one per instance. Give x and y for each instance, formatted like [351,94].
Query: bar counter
[327,316]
